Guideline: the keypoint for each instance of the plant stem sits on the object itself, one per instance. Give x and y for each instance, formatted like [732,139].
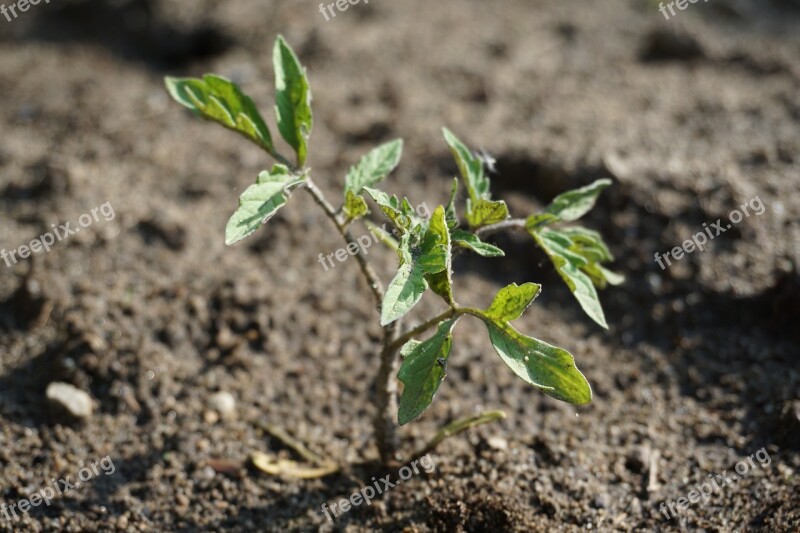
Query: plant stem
[372,278]
[510,224]
[401,340]
[386,384]
[455,428]
[386,397]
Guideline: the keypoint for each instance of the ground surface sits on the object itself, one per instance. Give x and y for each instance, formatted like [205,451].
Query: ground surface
[151,314]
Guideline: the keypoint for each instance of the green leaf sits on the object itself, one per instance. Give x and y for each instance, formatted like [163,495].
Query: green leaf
[292,100]
[546,367]
[569,265]
[403,293]
[572,205]
[512,301]
[432,256]
[535,222]
[355,207]
[220,100]
[470,166]
[550,369]
[481,210]
[588,244]
[486,212]
[612,277]
[423,370]
[450,211]
[398,211]
[602,277]
[437,240]
[260,202]
[374,166]
[472,242]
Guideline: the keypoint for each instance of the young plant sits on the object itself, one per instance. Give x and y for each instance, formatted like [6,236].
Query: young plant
[425,249]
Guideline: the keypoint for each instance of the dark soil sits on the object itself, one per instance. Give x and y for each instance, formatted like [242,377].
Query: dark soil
[151,314]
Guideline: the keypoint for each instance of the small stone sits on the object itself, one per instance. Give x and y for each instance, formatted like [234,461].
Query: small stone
[224,403]
[210,417]
[498,443]
[70,400]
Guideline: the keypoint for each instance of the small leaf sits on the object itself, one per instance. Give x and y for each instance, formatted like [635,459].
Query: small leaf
[486,212]
[602,277]
[374,166]
[292,100]
[512,301]
[588,244]
[355,207]
[260,202]
[572,205]
[434,253]
[535,222]
[612,277]
[220,100]
[441,282]
[411,281]
[569,264]
[423,370]
[472,242]
[450,211]
[470,166]
[403,293]
[398,211]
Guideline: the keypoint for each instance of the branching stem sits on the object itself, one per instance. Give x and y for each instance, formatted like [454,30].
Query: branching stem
[386,384]
[510,224]
[401,340]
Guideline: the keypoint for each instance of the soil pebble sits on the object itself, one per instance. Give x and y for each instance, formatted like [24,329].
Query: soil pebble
[70,401]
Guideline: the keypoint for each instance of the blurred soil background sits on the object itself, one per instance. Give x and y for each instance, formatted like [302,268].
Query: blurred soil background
[153,316]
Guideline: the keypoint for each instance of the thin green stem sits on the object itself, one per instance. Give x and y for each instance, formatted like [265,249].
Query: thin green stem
[401,340]
[510,224]
[459,426]
[372,278]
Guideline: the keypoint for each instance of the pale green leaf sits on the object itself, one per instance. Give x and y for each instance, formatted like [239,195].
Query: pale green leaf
[572,205]
[470,166]
[292,100]
[588,244]
[569,265]
[222,101]
[260,202]
[374,166]
[534,222]
[472,242]
[403,293]
[398,211]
